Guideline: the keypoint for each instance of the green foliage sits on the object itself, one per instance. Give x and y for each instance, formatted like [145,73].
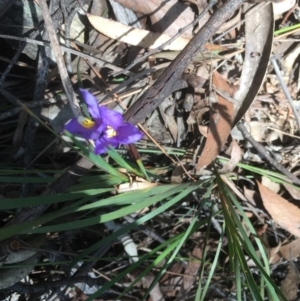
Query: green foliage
[94,201]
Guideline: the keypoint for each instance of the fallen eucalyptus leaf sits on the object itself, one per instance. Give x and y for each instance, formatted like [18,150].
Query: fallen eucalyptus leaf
[134,36]
[259,39]
[286,214]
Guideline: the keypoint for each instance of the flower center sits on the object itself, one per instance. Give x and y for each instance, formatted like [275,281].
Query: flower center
[85,122]
[110,132]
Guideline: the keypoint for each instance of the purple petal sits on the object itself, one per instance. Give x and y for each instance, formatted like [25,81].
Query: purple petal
[75,128]
[111,118]
[128,133]
[102,144]
[92,104]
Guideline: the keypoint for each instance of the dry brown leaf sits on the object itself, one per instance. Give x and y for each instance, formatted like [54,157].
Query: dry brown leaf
[232,186]
[203,129]
[219,126]
[235,158]
[166,17]
[178,174]
[172,280]
[289,286]
[134,36]
[249,195]
[291,250]
[283,212]
[155,293]
[254,66]
[192,269]
[145,282]
[262,133]
[293,191]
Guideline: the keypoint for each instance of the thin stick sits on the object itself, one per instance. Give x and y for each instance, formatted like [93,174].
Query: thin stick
[285,91]
[162,46]
[264,154]
[59,58]
[66,49]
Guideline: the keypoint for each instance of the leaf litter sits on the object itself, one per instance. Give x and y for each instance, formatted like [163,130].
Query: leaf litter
[226,82]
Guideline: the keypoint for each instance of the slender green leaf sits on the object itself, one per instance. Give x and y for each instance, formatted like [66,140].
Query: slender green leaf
[175,252]
[240,237]
[143,169]
[202,295]
[102,218]
[138,222]
[121,162]
[9,203]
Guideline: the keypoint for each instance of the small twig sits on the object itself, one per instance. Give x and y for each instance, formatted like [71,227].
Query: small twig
[285,91]
[59,58]
[28,140]
[68,23]
[15,58]
[289,13]
[254,10]
[282,132]
[162,46]
[226,96]
[264,154]
[29,104]
[80,54]
[11,63]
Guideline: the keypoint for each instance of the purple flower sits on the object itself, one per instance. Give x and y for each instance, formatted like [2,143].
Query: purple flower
[106,128]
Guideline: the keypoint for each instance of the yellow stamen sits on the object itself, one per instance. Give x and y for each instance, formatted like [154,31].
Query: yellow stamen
[85,122]
[110,132]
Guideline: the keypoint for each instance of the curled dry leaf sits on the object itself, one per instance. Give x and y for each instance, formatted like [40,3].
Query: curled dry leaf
[259,39]
[134,36]
[283,212]
[220,124]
